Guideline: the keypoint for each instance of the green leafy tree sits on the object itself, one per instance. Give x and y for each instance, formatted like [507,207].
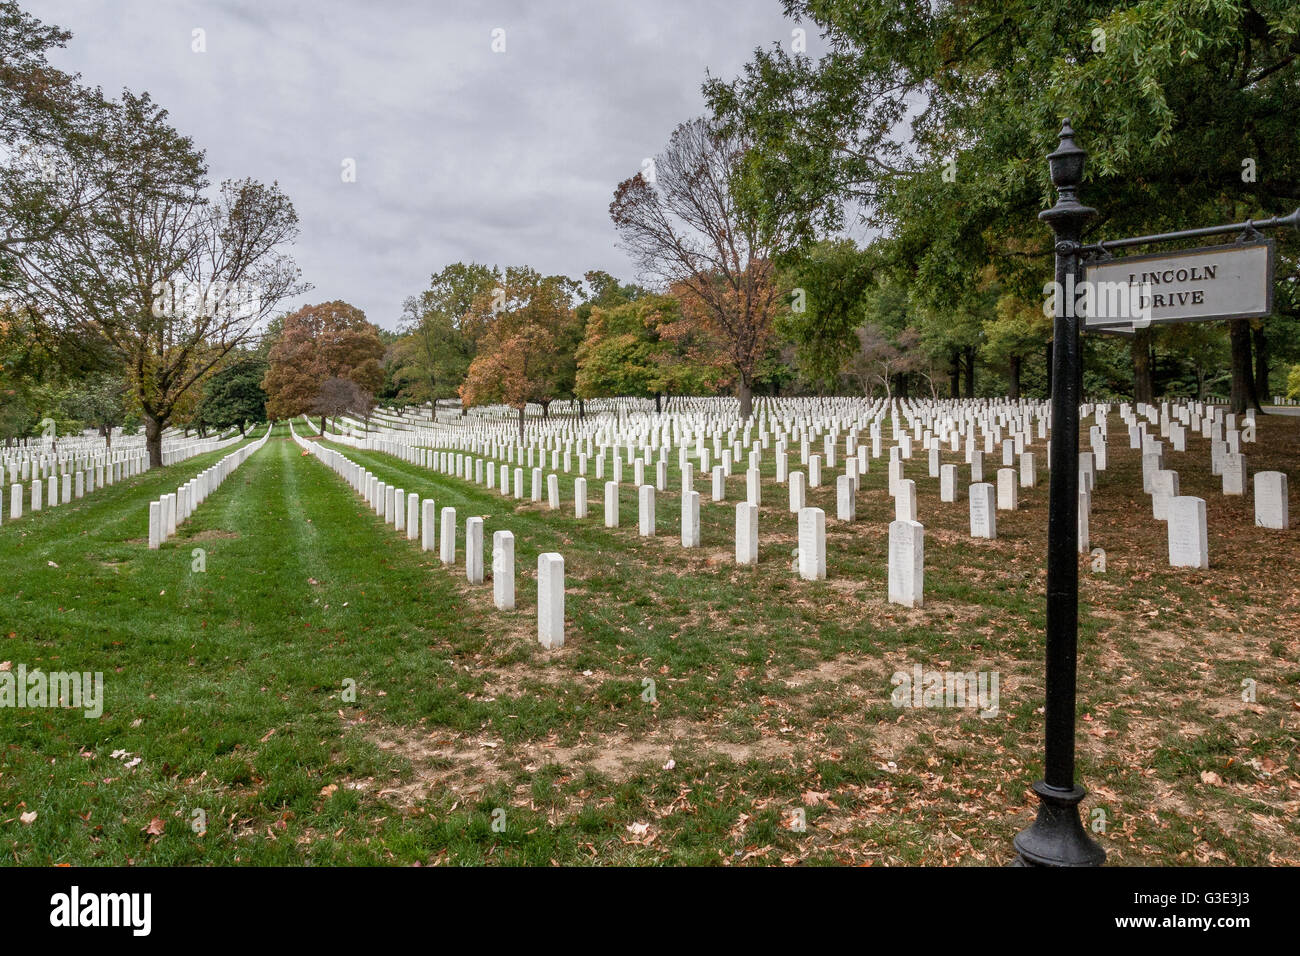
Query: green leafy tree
[234,397]
[645,347]
[439,336]
[829,282]
[917,118]
[1018,329]
[100,401]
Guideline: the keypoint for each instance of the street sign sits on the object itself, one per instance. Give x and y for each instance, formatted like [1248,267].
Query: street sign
[1193,285]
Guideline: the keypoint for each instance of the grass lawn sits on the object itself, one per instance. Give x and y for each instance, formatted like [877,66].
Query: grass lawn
[700,713]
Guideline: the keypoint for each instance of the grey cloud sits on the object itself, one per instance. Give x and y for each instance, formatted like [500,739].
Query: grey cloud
[461,153]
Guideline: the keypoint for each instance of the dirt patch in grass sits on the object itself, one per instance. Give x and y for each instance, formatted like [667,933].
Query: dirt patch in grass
[467,765]
[211,534]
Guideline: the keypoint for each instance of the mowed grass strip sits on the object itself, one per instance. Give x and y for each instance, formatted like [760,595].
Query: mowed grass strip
[225,682]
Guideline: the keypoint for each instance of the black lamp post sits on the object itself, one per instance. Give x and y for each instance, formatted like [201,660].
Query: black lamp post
[1057,836]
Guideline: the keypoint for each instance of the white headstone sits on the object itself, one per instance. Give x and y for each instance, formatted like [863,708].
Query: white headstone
[812,544]
[746,533]
[983,513]
[647,511]
[691,519]
[503,570]
[1164,489]
[906,563]
[905,501]
[447,552]
[155,525]
[611,503]
[798,493]
[1085,511]
[948,483]
[1272,506]
[1028,473]
[1188,537]
[1234,474]
[428,524]
[580,497]
[1007,490]
[550,600]
[474,550]
[845,500]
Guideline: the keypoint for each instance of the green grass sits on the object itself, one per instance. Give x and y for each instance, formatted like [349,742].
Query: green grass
[771,695]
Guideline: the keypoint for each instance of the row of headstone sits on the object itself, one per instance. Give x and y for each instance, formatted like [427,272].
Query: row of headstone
[415,517]
[57,490]
[810,555]
[172,510]
[1175,421]
[55,455]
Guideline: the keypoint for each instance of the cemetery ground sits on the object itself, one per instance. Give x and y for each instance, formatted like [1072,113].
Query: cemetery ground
[698,713]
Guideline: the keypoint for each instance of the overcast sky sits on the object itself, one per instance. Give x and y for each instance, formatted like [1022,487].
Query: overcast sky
[461,153]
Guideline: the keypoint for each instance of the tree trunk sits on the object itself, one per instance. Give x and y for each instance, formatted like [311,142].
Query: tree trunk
[242,432]
[1261,365]
[745,395]
[521,424]
[1140,349]
[582,410]
[322,426]
[153,429]
[970,371]
[955,383]
[1243,376]
[658,403]
[1015,377]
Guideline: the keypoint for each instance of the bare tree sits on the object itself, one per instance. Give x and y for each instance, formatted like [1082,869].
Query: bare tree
[683,226]
[880,359]
[341,396]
